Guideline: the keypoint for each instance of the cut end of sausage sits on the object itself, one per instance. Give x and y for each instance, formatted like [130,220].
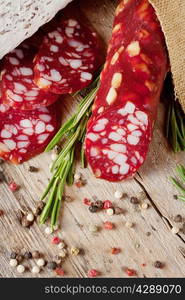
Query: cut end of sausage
[117,142]
[68,58]
[23,134]
[18,88]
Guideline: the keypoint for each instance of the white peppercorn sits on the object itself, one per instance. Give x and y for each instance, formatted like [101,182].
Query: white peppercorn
[13,262]
[20,269]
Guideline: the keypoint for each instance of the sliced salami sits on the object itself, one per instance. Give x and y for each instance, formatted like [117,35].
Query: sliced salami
[18,88]
[136,62]
[68,57]
[129,93]
[117,142]
[24,134]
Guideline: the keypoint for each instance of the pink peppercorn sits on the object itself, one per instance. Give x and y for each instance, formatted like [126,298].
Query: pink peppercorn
[108,225]
[86,201]
[13,186]
[59,272]
[131,272]
[78,184]
[93,273]
[115,250]
[55,240]
[107,204]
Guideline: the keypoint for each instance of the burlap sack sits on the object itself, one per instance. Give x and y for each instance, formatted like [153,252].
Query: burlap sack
[171,14]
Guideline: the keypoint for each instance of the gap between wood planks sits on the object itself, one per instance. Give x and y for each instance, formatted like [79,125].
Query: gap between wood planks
[165,220]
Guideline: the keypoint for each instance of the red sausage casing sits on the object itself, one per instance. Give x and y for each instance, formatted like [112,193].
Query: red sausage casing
[125,108]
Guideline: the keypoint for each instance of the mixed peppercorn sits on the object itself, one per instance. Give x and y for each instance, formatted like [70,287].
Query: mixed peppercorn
[94,206]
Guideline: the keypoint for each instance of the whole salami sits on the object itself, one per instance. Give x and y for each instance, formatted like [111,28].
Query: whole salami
[18,88]
[125,108]
[68,57]
[24,134]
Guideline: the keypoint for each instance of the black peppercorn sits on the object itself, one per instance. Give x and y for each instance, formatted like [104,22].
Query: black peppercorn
[13,255]
[38,211]
[25,222]
[52,265]
[39,208]
[2,176]
[99,204]
[118,210]
[134,200]
[19,258]
[183,228]
[27,255]
[158,264]
[32,169]
[178,218]
[35,254]
[93,208]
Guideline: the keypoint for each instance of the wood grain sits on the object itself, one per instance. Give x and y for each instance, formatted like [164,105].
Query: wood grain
[149,240]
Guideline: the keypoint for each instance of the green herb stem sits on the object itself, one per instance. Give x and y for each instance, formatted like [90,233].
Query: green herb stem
[73,132]
[179,185]
[175,131]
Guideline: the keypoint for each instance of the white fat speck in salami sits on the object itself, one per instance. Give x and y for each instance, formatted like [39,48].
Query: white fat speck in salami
[45,118]
[121,145]
[42,138]
[71,64]
[93,137]
[72,22]
[18,87]
[26,71]
[9,77]
[128,108]
[26,123]
[141,116]
[14,61]
[25,134]
[19,53]
[10,144]
[49,128]
[28,131]
[22,144]
[40,127]
[114,136]
[56,36]
[54,48]
[55,75]
[5,134]
[75,63]
[86,75]
[14,97]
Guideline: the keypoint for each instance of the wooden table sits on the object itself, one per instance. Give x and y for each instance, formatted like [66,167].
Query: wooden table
[150,238]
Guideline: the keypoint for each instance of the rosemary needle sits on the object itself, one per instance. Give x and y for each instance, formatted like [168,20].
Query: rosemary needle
[73,133]
[175,131]
[181,172]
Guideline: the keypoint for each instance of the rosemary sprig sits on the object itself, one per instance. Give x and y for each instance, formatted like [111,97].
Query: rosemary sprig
[176,127]
[179,185]
[73,132]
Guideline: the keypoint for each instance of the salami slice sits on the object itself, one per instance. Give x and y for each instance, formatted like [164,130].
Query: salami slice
[68,57]
[129,93]
[18,88]
[117,142]
[24,134]
[136,62]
